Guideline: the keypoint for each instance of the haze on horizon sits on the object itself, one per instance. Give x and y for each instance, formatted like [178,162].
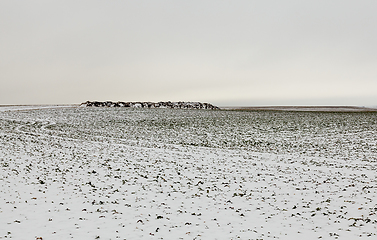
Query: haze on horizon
[228,53]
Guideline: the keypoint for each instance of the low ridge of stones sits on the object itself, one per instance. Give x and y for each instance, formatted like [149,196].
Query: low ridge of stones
[182,105]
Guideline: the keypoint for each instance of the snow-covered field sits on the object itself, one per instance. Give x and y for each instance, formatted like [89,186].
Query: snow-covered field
[120,173]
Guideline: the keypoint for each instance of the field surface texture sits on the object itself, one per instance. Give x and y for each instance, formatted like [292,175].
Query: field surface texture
[125,173]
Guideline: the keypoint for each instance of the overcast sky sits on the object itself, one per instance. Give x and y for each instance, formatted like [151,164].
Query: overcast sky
[224,52]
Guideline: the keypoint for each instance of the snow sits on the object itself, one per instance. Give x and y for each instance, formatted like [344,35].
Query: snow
[4,108]
[143,174]
[308,108]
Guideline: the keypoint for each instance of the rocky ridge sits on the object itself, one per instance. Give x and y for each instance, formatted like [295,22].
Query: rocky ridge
[181,105]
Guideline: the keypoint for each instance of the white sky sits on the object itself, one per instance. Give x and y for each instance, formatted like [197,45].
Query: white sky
[223,52]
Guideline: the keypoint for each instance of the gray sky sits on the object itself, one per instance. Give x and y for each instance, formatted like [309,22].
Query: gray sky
[223,52]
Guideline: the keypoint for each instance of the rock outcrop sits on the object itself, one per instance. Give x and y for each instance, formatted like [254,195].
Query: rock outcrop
[181,105]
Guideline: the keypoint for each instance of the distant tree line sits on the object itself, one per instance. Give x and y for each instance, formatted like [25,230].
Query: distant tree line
[178,105]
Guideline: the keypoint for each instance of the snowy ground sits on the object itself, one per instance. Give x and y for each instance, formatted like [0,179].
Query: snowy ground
[87,173]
